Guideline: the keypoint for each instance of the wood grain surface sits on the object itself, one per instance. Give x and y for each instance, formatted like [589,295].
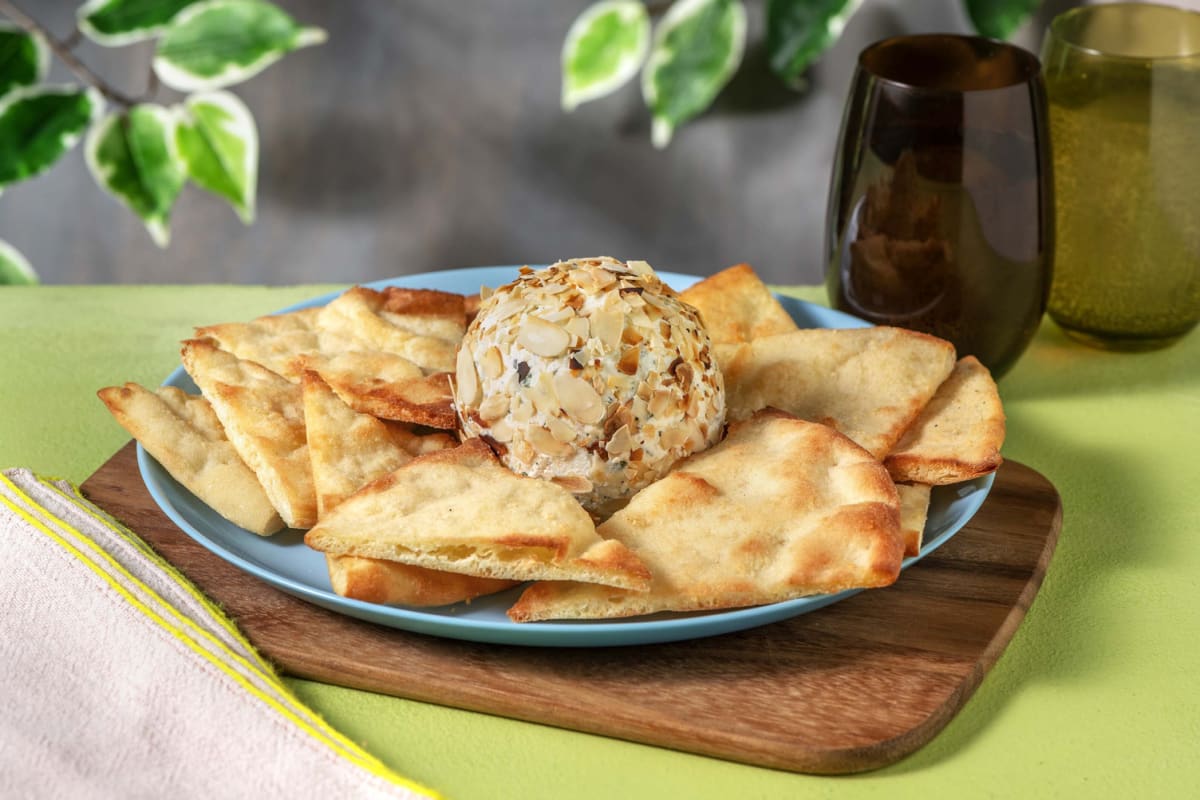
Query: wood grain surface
[851,687]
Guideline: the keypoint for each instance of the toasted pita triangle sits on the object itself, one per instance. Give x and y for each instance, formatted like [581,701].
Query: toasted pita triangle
[263,416]
[958,435]
[349,449]
[422,325]
[386,386]
[461,511]
[868,383]
[781,508]
[272,341]
[186,438]
[914,508]
[737,307]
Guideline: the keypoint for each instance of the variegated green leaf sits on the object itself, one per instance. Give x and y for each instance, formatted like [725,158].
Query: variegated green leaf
[40,123]
[604,48]
[697,47]
[24,59]
[218,43]
[218,142]
[133,156]
[14,269]
[113,23]
[999,19]
[799,31]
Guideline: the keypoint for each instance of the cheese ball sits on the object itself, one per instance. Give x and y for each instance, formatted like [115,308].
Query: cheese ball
[591,373]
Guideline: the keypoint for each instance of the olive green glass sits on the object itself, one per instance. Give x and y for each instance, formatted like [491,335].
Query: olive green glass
[1123,83]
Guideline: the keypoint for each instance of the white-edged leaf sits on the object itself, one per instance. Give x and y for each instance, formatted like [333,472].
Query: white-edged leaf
[24,58]
[218,142]
[217,43]
[14,268]
[605,47]
[133,156]
[799,31]
[697,47]
[114,23]
[40,123]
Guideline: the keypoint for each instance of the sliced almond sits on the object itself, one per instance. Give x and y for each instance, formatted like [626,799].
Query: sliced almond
[501,431]
[492,363]
[578,328]
[660,402]
[546,444]
[628,362]
[560,430]
[578,399]
[607,326]
[543,338]
[575,484]
[467,379]
[620,443]
[494,407]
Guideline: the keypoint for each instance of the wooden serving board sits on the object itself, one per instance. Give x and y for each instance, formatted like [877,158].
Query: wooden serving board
[851,687]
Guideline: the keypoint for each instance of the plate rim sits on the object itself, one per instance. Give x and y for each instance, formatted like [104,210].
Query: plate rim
[551,633]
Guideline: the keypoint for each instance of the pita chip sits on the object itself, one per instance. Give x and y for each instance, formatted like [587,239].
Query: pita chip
[387,386]
[272,341]
[462,511]
[958,435]
[348,451]
[914,508]
[868,383]
[422,325]
[737,307]
[781,508]
[263,416]
[183,434]
[373,580]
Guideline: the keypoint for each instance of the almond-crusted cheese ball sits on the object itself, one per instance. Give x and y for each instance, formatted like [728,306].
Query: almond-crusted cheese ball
[591,373]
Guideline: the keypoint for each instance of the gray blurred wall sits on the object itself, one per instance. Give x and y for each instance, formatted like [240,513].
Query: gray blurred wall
[426,135]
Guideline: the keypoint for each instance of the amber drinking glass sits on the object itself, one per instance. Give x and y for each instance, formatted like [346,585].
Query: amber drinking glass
[1123,82]
[940,210]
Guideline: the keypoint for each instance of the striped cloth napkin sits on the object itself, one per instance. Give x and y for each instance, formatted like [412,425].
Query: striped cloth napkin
[118,678]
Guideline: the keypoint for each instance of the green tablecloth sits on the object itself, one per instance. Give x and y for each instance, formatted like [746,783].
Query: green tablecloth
[1097,695]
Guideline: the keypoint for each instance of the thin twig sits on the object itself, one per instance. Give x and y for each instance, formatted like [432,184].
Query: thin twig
[64,54]
[73,38]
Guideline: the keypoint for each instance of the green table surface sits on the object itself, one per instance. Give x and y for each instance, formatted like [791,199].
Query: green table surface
[1098,695]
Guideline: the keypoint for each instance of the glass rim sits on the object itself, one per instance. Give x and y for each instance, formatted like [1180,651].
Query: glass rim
[1054,30]
[1029,61]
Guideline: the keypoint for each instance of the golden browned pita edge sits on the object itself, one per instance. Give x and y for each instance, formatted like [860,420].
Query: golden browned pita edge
[386,386]
[914,508]
[737,306]
[422,325]
[348,451]
[462,511]
[868,383]
[781,508]
[263,417]
[183,434]
[958,435]
[374,580]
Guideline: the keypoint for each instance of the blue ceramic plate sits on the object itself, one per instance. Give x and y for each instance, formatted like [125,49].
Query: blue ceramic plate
[285,562]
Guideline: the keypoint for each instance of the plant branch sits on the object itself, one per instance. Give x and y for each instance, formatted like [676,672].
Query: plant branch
[62,50]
